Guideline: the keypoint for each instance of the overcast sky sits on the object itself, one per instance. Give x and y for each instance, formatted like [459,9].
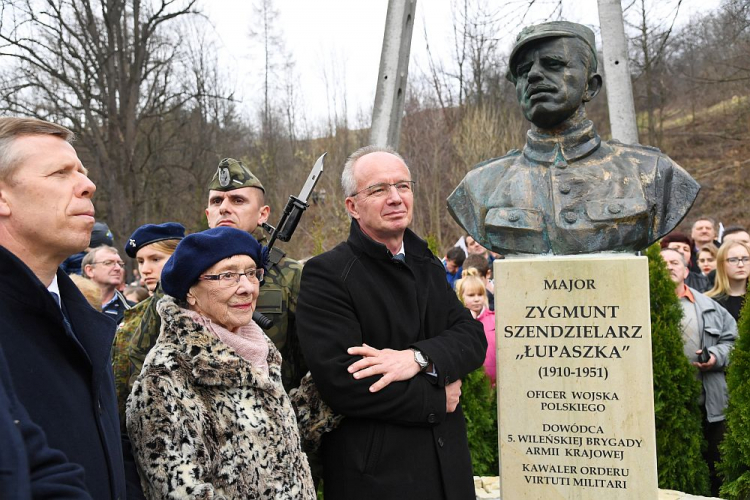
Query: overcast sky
[340,41]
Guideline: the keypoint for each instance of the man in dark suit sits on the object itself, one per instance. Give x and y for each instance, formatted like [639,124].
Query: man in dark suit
[56,344]
[29,468]
[387,343]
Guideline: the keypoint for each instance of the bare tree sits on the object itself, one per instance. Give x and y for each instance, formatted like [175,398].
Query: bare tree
[649,49]
[107,69]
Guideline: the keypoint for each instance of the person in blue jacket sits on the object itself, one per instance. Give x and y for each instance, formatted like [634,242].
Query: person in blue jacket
[29,468]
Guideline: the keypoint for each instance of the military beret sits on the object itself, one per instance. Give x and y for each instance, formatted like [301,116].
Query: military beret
[151,233]
[551,29]
[233,174]
[100,235]
[199,251]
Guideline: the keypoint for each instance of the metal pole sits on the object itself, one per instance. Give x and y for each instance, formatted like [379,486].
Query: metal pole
[617,72]
[394,68]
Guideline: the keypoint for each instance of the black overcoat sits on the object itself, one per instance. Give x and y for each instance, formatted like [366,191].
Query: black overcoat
[399,442]
[28,467]
[65,382]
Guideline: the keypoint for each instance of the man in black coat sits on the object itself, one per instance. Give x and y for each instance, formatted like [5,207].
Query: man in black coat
[57,346]
[29,468]
[387,342]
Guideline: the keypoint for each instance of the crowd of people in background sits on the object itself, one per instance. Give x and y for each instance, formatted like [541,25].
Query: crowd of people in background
[167,386]
[711,263]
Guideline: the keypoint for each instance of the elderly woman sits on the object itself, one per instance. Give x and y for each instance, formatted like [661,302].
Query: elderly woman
[208,416]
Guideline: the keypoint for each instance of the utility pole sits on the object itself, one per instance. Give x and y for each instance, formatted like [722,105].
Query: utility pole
[617,72]
[394,68]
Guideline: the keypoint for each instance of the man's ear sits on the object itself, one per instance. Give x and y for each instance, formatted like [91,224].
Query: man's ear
[265,212]
[351,207]
[593,86]
[190,298]
[5,210]
[86,270]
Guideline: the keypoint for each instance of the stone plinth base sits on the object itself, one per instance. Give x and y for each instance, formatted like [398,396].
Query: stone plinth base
[488,488]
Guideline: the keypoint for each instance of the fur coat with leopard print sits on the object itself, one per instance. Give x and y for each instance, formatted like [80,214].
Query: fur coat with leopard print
[206,424]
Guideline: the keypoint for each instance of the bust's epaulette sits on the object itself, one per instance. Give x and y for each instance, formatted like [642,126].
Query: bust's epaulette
[512,152]
[634,146]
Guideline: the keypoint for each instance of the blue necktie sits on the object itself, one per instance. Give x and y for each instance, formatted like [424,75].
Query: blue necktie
[66,323]
[399,257]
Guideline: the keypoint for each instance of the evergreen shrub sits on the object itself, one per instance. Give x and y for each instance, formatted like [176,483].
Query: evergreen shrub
[679,432]
[479,404]
[735,449]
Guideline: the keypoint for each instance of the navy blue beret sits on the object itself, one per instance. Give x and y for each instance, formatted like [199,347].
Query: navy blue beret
[199,251]
[151,233]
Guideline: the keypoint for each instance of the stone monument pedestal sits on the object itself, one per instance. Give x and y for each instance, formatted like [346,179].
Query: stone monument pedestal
[574,378]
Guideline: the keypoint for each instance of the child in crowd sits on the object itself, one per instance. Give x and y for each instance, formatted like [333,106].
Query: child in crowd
[452,262]
[472,293]
[482,266]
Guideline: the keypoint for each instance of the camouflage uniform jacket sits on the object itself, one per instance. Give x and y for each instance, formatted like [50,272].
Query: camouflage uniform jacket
[121,347]
[277,301]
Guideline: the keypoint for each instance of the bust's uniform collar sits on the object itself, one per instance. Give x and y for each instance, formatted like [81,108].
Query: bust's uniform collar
[570,146]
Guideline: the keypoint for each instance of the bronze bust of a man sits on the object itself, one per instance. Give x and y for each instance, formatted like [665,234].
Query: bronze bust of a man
[568,192]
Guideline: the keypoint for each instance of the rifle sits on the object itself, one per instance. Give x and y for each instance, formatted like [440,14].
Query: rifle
[284,230]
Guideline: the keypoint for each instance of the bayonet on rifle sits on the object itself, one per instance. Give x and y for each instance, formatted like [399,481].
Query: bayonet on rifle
[294,208]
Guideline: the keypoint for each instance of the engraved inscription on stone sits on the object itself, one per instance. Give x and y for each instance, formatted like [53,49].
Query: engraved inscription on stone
[575,392]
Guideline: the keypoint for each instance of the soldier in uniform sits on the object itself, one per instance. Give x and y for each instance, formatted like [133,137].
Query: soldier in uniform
[568,192]
[236,198]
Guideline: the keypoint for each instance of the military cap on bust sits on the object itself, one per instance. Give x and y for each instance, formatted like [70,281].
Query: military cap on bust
[551,30]
[232,174]
[151,233]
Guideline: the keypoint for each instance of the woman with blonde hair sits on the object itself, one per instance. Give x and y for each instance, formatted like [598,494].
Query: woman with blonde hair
[473,294]
[706,258]
[732,269]
[151,245]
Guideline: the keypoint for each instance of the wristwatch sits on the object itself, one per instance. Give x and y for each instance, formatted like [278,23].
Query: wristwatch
[422,360]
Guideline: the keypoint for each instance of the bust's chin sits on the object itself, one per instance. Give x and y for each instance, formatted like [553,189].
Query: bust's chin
[553,121]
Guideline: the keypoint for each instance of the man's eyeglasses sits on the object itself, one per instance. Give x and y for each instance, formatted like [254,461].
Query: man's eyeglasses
[736,260]
[110,263]
[231,278]
[383,189]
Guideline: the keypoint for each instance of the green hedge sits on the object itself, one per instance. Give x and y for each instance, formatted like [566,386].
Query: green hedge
[479,404]
[679,433]
[735,450]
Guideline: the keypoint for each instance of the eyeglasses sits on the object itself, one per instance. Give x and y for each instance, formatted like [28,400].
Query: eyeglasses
[110,263]
[230,278]
[736,260]
[383,189]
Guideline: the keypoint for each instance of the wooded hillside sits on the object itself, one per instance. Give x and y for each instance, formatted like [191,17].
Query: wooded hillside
[139,83]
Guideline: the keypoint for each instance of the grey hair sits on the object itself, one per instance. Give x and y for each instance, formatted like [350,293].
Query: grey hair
[679,254]
[90,257]
[11,128]
[348,182]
